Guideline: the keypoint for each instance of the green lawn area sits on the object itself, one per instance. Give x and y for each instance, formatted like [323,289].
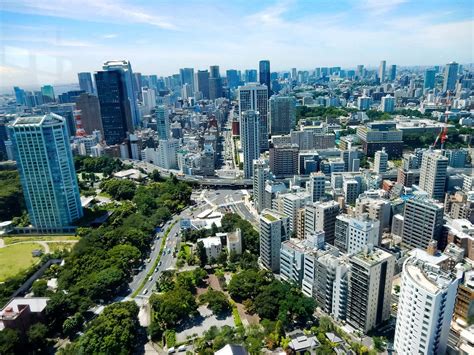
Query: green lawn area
[16,258]
[60,246]
[45,238]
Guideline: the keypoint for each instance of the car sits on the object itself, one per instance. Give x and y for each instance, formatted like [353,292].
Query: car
[164,252]
[159,264]
[150,278]
[153,247]
[171,350]
[145,291]
[148,260]
[182,348]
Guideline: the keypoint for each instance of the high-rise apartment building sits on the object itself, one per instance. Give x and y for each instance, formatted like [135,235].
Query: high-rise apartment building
[425,308]
[162,122]
[282,114]
[215,83]
[380,161]
[450,76]
[369,292]
[43,154]
[393,72]
[261,173]
[353,234]
[233,78]
[274,229]
[255,97]
[85,82]
[387,104]
[128,80]
[264,74]
[114,106]
[422,222]
[90,113]
[433,174]
[250,76]
[321,216]
[291,203]
[284,160]
[316,186]
[249,139]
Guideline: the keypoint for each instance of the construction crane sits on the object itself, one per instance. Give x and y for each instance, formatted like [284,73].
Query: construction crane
[443,135]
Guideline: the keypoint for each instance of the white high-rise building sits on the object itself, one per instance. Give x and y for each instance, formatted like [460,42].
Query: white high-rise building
[382,70]
[433,174]
[261,173]
[380,161]
[249,139]
[316,186]
[355,233]
[167,153]
[149,99]
[425,308]
[254,97]
[291,203]
[274,229]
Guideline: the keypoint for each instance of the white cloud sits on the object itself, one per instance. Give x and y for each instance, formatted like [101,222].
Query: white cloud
[379,7]
[90,10]
[109,36]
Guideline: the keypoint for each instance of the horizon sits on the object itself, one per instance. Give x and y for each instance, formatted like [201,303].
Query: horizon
[49,43]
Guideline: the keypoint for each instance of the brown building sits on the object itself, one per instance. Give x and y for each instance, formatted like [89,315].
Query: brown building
[90,113]
[465,299]
[458,206]
[21,313]
[284,160]
[408,177]
[300,223]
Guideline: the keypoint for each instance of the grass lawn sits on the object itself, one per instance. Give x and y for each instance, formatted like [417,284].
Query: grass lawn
[44,238]
[16,258]
[60,246]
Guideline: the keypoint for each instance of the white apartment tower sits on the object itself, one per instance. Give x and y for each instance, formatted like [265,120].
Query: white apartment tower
[261,173]
[433,174]
[254,97]
[380,161]
[316,186]
[425,308]
[249,139]
[274,229]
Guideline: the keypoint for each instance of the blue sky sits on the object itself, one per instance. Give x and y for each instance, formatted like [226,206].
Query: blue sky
[49,41]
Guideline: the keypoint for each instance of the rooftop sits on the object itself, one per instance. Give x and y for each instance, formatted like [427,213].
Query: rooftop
[427,275]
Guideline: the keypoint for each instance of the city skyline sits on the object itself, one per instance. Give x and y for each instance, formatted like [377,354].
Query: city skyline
[50,43]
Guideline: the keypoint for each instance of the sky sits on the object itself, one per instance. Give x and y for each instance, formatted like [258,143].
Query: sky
[49,41]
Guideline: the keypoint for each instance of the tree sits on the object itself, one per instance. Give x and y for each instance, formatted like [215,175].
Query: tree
[171,307]
[216,301]
[379,343]
[155,175]
[248,283]
[40,288]
[12,202]
[73,324]
[119,189]
[202,254]
[37,336]
[9,342]
[114,331]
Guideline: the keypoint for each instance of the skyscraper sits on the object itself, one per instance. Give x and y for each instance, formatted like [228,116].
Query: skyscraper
[422,221]
[128,79]
[321,216]
[430,76]
[282,114]
[48,93]
[187,76]
[264,74]
[274,229]
[249,139]
[433,174]
[162,122]
[450,76]
[317,186]
[20,96]
[44,158]
[233,78]
[90,111]
[382,68]
[255,97]
[215,83]
[202,77]
[114,106]
[425,308]
[85,82]
[250,76]
[393,72]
